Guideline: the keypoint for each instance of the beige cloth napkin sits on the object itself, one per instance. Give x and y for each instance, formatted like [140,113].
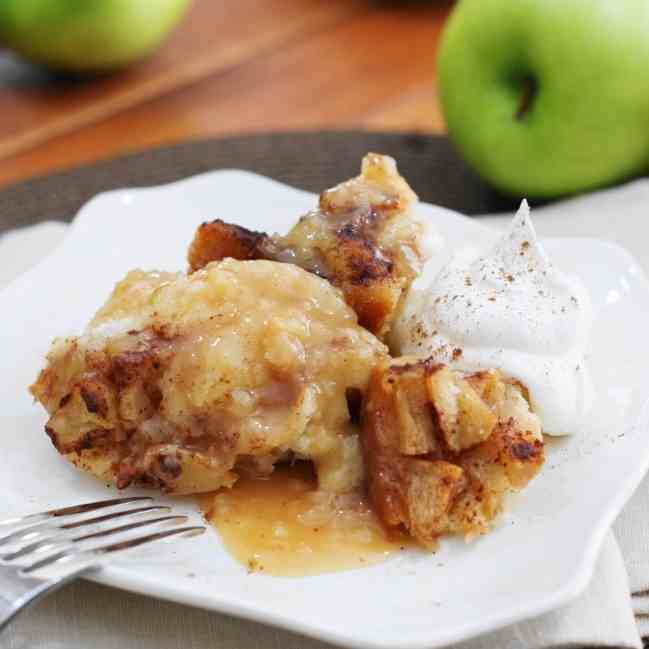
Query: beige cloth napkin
[86,615]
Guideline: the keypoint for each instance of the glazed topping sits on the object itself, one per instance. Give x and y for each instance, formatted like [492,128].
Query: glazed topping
[511,309]
[189,381]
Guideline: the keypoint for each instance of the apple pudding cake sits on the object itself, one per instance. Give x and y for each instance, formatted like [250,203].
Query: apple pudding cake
[364,237]
[443,448]
[270,351]
[183,382]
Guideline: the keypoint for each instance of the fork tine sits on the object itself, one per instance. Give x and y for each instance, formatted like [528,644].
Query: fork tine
[194,530]
[66,555]
[119,514]
[130,526]
[53,542]
[26,532]
[69,511]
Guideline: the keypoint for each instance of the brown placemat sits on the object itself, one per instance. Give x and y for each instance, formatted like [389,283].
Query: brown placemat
[311,161]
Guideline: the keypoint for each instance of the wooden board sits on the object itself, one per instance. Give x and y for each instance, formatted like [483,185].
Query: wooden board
[233,66]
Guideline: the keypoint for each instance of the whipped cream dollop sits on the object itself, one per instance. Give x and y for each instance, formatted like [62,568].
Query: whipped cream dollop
[511,309]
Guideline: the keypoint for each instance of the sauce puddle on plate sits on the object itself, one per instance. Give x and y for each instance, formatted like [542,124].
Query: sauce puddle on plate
[283,526]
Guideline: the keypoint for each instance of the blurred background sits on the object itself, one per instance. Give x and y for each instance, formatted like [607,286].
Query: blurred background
[228,66]
[540,98]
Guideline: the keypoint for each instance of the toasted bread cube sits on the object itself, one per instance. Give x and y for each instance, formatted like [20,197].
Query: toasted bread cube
[431,490]
[479,437]
[464,418]
[218,240]
[364,238]
[83,418]
[414,410]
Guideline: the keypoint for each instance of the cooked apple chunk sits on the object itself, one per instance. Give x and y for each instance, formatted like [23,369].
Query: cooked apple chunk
[442,449]
[184,382]
[364,238]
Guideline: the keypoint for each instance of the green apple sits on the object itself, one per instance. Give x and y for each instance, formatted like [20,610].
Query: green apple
[548,97]
[86,35]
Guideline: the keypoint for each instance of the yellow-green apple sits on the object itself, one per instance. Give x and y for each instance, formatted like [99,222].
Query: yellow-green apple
[86,35]
[548,97]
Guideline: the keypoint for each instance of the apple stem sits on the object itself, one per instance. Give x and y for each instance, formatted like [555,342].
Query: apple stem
[528,92]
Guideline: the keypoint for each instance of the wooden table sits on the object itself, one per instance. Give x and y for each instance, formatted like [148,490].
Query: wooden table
[233,66]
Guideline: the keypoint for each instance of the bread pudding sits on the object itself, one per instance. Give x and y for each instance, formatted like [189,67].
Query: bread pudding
[270,351]
[364,237]
[183,382]
[443,448]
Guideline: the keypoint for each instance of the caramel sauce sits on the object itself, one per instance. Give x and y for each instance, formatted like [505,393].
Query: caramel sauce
[284,526]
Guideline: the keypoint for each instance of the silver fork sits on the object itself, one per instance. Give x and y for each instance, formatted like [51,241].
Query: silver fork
[70,544]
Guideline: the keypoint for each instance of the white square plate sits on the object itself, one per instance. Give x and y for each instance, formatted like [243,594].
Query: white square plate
[539,557]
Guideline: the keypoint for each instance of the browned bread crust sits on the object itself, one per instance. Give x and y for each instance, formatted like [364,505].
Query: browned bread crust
[363,238]
[442,450]
[183,382]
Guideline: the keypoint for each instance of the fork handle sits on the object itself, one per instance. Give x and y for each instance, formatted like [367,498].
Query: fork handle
[18,591]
